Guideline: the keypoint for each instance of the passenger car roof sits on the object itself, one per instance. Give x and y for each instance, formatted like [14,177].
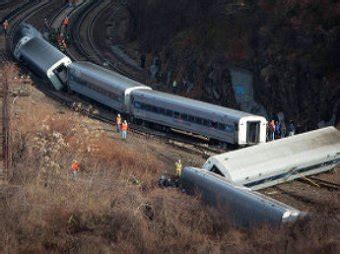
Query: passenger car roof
[44,54]
[105,75]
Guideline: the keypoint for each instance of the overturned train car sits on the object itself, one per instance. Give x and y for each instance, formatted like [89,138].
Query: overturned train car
[242,206]
[279,161]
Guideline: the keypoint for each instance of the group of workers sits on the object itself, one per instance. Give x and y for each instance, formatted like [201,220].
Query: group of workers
[121,127]
[61,38]
[278,129]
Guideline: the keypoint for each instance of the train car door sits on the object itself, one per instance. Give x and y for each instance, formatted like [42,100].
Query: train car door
[253,132]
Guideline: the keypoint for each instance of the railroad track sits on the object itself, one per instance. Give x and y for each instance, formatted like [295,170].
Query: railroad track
[21,15]
[83,43]
[324,184]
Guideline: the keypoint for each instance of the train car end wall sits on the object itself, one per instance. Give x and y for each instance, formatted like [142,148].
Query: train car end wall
[252,130]
[58,85]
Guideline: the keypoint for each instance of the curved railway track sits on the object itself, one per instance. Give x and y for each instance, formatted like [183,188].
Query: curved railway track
[83,26]
[21,15]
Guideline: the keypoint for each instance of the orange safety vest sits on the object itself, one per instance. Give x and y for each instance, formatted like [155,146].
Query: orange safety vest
[66,21]
[124,127]
[118,120]
[75,166]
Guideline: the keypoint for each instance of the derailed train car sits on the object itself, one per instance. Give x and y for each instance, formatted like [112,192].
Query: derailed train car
[279,161]
[40,56]
[242,206]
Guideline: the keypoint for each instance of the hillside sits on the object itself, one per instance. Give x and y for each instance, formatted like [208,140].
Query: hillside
[290,47]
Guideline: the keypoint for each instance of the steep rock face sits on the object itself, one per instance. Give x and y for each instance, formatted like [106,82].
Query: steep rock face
[290,46]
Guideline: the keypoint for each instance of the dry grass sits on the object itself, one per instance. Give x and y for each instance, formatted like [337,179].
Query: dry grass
[105,211]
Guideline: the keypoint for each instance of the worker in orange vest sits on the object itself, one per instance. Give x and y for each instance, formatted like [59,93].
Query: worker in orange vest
[118,122]
[75,166]
[5,26]
[66,22]
[123,130]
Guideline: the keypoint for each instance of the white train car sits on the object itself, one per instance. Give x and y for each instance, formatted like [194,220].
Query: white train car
[242,206]
[279,161]
[216,122]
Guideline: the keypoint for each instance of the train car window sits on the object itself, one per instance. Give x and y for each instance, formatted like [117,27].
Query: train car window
[216,171]
[162,111]
[184,117]
[214,125]
[229,128]
[137,104]
[191,119]
[155,109]
[169,112]
[198,120]
[221,126]
[176,115]
[236,126]
[206,122]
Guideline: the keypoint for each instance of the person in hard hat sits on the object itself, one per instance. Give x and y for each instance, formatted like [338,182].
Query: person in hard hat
[118,122]
[75,166]
[123,130]
[179,166]
[5,26]
[66,22]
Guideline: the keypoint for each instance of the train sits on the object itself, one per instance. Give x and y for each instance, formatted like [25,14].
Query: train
[138,101]
[242,206]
